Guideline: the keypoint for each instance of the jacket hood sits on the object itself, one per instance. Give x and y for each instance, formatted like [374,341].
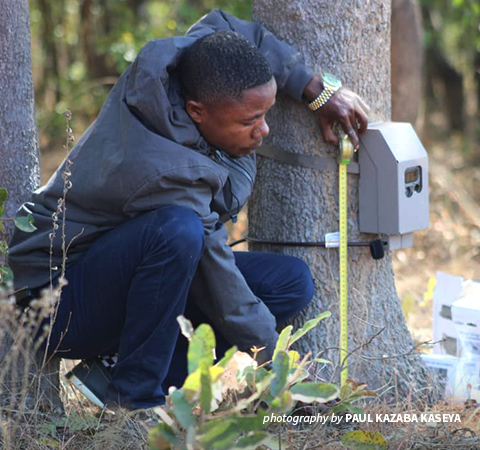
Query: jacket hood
[153,94]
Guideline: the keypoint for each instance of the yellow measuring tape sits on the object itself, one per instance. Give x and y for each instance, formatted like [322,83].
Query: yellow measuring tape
[345,155]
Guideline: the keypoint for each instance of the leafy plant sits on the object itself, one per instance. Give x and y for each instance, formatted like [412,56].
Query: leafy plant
[200,417]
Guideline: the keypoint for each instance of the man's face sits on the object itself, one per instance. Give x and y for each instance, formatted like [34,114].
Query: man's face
[235,126]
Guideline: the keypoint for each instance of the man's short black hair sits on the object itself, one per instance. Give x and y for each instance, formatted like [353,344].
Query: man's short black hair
[221,66]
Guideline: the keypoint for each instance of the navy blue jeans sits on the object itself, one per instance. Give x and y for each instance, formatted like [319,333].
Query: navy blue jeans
[124,294]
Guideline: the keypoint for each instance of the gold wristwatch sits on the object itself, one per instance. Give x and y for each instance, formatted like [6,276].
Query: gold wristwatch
[331,84]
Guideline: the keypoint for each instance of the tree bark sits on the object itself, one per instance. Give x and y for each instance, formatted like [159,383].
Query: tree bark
[352,40]
[19,167]
[407,60]
[20,175]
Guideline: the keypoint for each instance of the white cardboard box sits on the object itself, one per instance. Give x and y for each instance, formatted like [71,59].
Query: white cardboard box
[459,378]
[455,362]
[466,318]
[444,371]
[447,291]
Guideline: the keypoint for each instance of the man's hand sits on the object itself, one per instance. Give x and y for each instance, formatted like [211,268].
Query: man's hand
[344,107]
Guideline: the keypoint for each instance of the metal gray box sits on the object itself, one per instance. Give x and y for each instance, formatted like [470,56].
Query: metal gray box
[393,187]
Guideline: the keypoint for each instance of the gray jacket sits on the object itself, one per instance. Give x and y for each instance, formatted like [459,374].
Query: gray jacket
[142,152]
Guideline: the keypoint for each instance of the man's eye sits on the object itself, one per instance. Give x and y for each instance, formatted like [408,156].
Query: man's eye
[249,124]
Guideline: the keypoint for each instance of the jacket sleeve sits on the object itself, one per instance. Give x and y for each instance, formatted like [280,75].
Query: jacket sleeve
[220,289]
[291,76]
[224,296]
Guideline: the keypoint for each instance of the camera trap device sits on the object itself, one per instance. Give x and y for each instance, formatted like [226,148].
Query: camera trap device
[393,200]
[393,184]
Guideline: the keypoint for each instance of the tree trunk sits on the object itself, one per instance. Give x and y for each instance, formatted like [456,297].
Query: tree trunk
[51,80]
[407,60]
[19,174]
[477,80]
[19,168]
[352,40]
[97,66]
[440,72]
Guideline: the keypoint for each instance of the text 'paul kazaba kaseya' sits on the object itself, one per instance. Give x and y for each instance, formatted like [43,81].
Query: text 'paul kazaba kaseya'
[411,417]
[404,418]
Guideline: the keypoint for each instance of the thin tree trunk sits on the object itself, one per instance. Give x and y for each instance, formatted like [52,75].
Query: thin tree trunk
[407,60]
[439,70]
[477,81]
[96,64]
[19,167]
[19,173]
[51,80]
[352,40]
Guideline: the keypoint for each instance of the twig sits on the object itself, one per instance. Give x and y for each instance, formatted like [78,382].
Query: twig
[398,355]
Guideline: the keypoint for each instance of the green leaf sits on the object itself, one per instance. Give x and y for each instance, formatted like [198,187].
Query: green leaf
[251,423]
[308,326]
[253,376]
[201,347]
[310,392]
[214,424]
[283,340]
[162,437]
[206,387]
[320,361]
[220,434]
[340,408]
[6,275]
[182,409]
[281,366]
[227,357]
[293,357]
[301,374]
[362,394]
[193,381]
[283,402]
[50,428]
[2,227]
[3,248]
[25,223]
[260,388]
[356,410]
[252,440]
[364,440]
[50,443]
[3,195]
[347,390]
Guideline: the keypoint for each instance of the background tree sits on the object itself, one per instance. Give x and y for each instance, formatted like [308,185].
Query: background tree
[352,40]
[19,173]
[19,168]
[452,41]
[407,60]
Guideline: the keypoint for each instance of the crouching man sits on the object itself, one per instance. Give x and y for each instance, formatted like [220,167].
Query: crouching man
[170,159]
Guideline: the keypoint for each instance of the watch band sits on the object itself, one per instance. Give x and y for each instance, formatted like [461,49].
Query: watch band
[331,84]
[323,98]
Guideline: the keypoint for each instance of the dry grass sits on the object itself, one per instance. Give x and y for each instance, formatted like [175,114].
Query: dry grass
[29,424]
[464,435]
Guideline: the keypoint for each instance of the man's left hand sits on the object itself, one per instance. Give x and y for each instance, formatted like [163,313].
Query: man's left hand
[344,107]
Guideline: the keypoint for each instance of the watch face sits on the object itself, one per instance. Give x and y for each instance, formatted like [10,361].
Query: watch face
[331,80]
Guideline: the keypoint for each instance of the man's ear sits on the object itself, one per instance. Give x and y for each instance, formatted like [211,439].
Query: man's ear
[196,110]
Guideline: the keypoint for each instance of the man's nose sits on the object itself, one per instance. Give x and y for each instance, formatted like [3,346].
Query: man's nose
[263,130]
